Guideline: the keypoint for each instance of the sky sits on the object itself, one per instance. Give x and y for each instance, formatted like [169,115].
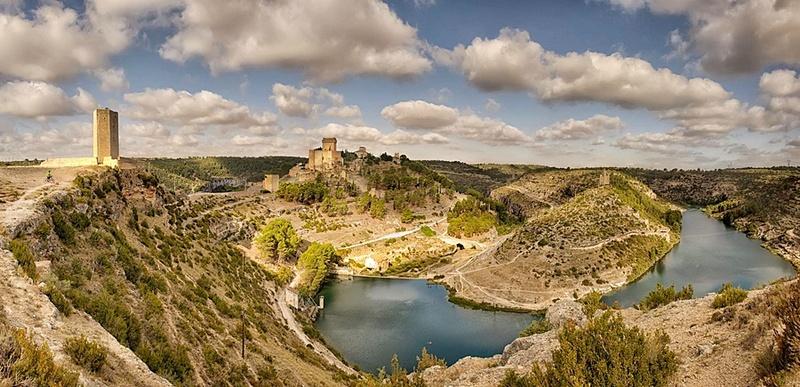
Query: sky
[648,83]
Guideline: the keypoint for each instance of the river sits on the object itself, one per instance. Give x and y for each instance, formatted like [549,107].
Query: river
[708,255]
[370,319]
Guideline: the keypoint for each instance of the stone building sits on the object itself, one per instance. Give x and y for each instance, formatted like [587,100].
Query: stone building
[325,158]
[605,178]
[105,135]
[362,153]
[271,182]
[105,143]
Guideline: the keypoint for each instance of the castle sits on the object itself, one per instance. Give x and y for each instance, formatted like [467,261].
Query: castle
[325,158]
[105,143]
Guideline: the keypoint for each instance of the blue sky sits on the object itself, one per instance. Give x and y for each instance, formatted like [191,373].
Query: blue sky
[566,83]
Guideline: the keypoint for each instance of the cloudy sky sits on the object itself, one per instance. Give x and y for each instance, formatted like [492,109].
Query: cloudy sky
[652,83]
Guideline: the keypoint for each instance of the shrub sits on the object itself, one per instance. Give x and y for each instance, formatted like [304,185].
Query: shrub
[728,295]
[427,231]
[26,363]
[784,356]
[592,302]
[86,353]
[539,325]
[23,255]
[57,298]
[63,228]
[277,240]
[79,220]
[314,265]
[661,296]
[377,208]
[468,218]
[604,353]
[426,360]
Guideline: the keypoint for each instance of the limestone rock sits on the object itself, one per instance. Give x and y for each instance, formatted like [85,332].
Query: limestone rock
[563,311]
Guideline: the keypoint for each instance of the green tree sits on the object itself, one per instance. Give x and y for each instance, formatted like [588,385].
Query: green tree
[314,264]
[377,208]
[277,240]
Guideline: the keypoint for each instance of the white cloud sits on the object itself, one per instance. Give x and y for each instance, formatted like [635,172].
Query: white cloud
[200,109]
[513,61]
[420,115]
[146,129]
[112,79]
[184,140]
[326,39]
[350,132]
[665,143]
[782,90]
[347,111]
[491,105]
[39,99]
[735,36]
[399,137]
[292,101]
[445,119]
[572,129]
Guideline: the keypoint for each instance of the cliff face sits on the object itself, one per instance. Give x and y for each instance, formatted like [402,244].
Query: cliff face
[146,274]
[762,202]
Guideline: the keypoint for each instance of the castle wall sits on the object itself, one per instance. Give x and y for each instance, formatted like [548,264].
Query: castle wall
[69,162]
[271,183]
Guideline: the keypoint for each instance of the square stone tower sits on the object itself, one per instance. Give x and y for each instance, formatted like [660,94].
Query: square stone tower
[105,132]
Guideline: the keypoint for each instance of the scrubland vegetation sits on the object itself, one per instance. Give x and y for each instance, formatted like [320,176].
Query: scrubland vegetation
[604,353]
[25,363]
[729,295]
[277,240]
[661,296]
[86,353]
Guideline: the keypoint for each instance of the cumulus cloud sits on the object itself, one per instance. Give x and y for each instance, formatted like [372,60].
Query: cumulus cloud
[782,90]
[200,109]
[328,40]
[420,115]
[147,129]
[400,136]
[698,106]
[292,101]
[66,42]
[734,36]
[491,105]
[445,119]
[572,129]
[306,101]
[347,111]
[112,79]
[513,61]
[673,142]
[39,100]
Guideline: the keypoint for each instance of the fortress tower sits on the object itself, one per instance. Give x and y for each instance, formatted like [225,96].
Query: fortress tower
[105,133]
[325,158]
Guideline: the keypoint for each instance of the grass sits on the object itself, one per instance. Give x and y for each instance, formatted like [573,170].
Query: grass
[728,295]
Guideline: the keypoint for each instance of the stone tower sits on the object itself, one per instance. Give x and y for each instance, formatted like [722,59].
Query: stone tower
[105,133]
[271,182]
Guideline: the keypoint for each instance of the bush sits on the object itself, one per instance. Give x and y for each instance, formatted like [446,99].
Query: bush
[26,363]
[604,353]
[592,302]
[79,220]
[783,357]
[661,296]
[63,228]
[85,353]
[23,255]
[426,360]
[728,295]
[468,218]
[314,265]
[540,325]
[57,298]
[427,231]
[277,240]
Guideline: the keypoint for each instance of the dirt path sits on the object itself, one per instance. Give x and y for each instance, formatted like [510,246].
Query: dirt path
[319,348]
[395,235]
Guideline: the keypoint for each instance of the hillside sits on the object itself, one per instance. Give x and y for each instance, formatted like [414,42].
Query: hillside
[584,237]
[192,173]
[762,202]
[115,250]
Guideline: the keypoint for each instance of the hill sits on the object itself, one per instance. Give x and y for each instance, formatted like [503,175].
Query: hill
[118,250]
[585,237]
